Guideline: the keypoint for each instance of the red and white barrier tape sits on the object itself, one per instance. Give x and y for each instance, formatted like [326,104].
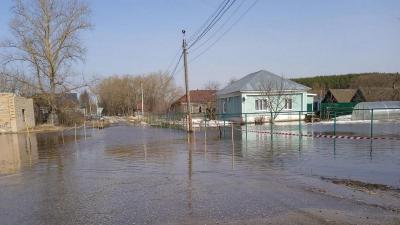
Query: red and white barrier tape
[323,135]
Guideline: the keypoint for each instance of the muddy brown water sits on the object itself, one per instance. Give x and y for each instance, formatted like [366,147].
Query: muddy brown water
[137,175]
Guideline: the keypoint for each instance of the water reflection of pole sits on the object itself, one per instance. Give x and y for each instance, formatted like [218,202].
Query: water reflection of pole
[190,167]
[334,148]
[300,144]
[62,135]
[370,150]
[233,149]
[145,151]
[84,128]
[75,132]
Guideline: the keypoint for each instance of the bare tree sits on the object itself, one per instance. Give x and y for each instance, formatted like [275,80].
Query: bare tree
[121,95]
[274,97]
[17,83]
[46,43]
[212,85]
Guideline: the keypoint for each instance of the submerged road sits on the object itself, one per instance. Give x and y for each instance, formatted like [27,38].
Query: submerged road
[135,175]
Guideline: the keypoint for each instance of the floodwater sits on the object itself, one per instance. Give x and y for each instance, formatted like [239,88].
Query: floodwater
[138,175]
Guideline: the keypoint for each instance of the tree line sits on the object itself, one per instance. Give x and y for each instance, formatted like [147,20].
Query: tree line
[320,84]
[121,95]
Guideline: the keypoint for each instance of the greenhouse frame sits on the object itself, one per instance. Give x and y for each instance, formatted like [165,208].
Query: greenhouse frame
[385,110]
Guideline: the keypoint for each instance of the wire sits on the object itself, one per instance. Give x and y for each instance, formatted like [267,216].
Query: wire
[226,31]
[207,21]
[218,17]
[173,60]
[176,66]
[220,27]
[214,21]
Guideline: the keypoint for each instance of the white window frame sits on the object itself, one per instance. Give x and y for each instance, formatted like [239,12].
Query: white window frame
[260,104]
[288,102]
[224,106]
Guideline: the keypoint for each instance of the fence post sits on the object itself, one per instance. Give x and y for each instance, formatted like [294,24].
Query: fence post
[372,123]
[205,126]
[232,130]
[271,121]
[224,125]
[245,120]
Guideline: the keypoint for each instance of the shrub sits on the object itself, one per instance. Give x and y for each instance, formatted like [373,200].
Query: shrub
[259,120]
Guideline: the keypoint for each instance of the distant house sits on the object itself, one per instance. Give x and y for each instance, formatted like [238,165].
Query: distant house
[343,96]
[340,102]
[16,113]
[246,96]
[380,94]
[200,101]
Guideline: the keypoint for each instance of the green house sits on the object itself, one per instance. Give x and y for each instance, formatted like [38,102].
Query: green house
[255,94]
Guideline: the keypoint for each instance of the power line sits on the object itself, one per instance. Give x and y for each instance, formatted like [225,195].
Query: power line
[220,27]
[226,31]
[176,65]
[214,21]
[173,60]
[192,37]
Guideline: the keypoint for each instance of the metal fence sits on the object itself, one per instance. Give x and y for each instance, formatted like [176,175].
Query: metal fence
[338,124]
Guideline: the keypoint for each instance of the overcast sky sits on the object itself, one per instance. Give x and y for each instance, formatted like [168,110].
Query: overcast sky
[290,37]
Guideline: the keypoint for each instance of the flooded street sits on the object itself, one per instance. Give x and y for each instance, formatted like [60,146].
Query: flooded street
[138,175]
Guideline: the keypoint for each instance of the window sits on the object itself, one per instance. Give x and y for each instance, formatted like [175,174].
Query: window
[288,103]
[224,106]
[261,104]
[23,115]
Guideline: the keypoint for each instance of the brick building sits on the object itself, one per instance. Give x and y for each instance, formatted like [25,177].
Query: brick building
[16,113]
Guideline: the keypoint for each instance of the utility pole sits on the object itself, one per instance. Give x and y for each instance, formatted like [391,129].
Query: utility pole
[141,88]
[188,108]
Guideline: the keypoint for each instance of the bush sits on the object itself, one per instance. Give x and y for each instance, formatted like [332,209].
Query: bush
[70,118]
[259,120]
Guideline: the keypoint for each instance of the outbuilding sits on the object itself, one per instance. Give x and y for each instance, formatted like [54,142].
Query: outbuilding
[16,113]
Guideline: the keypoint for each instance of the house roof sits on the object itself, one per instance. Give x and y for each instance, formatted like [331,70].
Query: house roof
[198,96]
[255,81]
[343,95]
[381,94]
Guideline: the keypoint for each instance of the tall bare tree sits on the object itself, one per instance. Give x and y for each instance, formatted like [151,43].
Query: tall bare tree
[46,42]
[274,97]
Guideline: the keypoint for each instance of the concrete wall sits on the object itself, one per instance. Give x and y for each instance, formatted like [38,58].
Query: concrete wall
[5,119]
[16,113]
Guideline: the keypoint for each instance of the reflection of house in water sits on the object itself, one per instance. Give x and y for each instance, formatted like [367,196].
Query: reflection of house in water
[16,151]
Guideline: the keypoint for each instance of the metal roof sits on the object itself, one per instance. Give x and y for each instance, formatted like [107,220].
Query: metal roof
[254,82]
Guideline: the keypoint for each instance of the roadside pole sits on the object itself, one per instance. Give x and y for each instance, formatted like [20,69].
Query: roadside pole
[188,106]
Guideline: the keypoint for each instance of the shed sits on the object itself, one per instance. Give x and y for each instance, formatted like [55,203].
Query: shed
[16,113]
